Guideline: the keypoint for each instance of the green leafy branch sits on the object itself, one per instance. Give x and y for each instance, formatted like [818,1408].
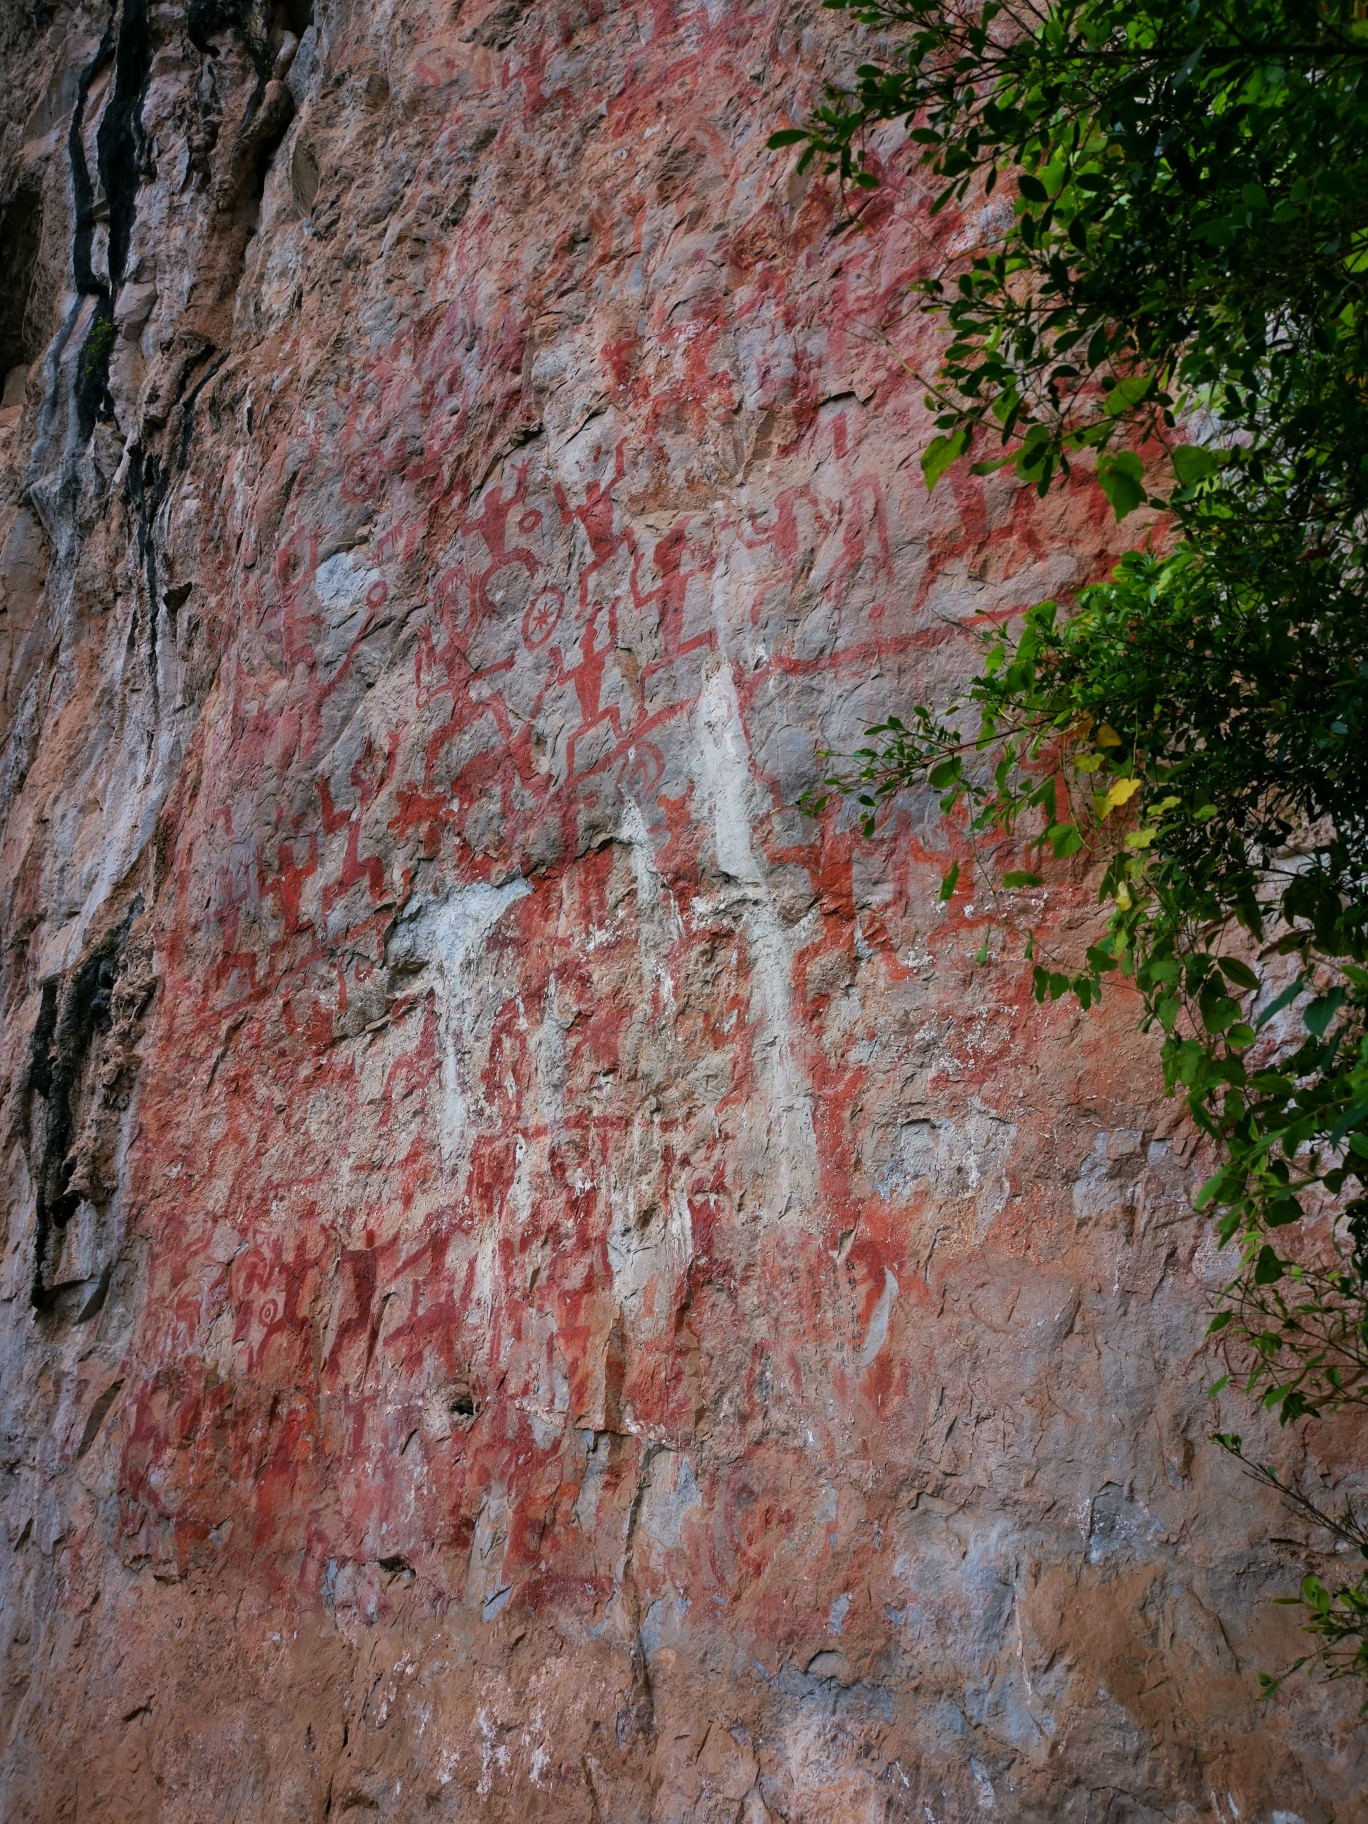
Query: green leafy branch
[1166,270]
[1337,1619]
[1187,229]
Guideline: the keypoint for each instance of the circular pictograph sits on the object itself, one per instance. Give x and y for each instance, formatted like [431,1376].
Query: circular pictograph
[362,474]
[542,617]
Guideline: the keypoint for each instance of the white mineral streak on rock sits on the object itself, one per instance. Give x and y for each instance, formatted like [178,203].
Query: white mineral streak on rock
[451,936]
[652,1235]
[520,1195]
[671,1495]
[1107,1180]
[342,585]
[481,1303]
[548,1058]
[953,1161]
[658,921]
[877,1333]
[725,790]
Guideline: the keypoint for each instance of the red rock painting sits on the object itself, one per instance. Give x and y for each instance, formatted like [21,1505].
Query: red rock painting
[568,1293]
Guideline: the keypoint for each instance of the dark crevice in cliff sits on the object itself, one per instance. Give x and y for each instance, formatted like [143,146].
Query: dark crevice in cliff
[268,114]
[107,151]
[119,146]
[21,236]
[82,188]
[90,391]
[188,409]
[76,1009]
[98,1413]
[147,483]
[259,26]
[93,400]
[119,143]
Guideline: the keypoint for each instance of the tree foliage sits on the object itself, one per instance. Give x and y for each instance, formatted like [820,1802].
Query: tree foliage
[1171,284]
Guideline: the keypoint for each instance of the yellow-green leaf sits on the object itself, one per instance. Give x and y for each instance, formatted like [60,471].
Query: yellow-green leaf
[1120,793]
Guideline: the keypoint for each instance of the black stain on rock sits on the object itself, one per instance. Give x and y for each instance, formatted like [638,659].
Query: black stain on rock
[98,1413]
[21,237]
[119,142]
[258,25]
[119,150]
[77,1011]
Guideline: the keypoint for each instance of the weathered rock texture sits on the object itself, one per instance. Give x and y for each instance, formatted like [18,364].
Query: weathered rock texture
[538,1282]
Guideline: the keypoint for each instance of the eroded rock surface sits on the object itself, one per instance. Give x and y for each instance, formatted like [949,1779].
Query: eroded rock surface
[538,1281]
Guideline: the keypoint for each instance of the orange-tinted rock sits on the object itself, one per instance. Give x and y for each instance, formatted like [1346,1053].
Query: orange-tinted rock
[539,1281]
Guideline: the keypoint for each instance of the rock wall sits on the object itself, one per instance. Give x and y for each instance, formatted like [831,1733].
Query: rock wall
[539,1281]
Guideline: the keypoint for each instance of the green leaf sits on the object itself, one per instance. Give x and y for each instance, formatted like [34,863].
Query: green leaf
[1191,464]
[1121,478]
[1321,1011]
[1236,971]
[940,453]
[1268,1269]
[1281,1211]
[1276,1006]
[948,885]
[1212,1188]
[1356,1114]
[1218,1011]
[1128,393]
[786,136]
[1021,879]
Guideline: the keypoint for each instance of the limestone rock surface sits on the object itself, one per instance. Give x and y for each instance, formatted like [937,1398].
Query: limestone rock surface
[539,1281]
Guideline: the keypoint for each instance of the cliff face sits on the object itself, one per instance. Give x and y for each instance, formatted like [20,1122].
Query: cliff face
[538,1282]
